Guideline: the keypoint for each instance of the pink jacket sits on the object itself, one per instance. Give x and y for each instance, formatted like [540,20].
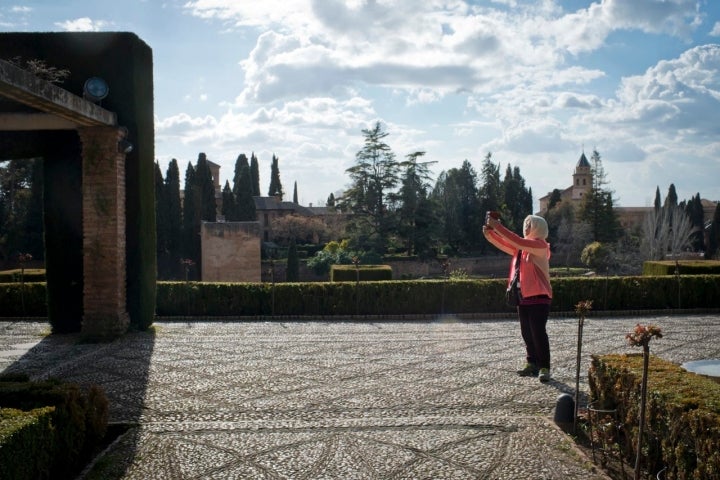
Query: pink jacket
[535,259]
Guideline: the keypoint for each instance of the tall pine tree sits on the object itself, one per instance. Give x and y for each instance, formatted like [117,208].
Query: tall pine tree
[517,199]
[416,214]
[491,190]
[374,178]
[456,197]
[597,206]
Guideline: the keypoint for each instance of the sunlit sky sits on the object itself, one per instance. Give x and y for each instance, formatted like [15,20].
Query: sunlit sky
[534,82]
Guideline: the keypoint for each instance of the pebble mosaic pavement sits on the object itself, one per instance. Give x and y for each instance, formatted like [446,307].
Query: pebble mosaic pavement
[353,400]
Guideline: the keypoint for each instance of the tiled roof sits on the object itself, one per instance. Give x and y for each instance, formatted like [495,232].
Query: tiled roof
[272,203]
[583,162]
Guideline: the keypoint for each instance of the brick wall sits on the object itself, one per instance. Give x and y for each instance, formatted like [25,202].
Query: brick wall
[104,269]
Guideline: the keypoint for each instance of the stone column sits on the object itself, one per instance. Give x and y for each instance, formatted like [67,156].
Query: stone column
[104,264]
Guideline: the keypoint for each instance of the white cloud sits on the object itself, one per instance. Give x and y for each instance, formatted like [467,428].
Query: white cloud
[314,47]
[529,100]
[715,32]
[83,24]
[678,97]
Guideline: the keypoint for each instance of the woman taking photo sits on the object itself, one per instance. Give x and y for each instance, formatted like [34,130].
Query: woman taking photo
[533,253]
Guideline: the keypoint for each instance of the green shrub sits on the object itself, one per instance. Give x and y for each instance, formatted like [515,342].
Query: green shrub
[29,275]
[23,300]
[79,418]
[682,417]
[26,443]
[364,273]
[685,267]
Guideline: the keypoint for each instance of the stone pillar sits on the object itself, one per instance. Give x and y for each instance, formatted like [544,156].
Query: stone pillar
[104,264]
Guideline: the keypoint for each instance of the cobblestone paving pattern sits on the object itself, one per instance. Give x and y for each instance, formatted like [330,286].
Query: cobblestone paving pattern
[314,400]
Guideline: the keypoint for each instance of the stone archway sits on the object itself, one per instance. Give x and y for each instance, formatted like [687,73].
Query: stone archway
[29,104]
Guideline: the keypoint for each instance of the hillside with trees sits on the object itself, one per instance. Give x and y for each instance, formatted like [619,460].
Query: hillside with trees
[393,205]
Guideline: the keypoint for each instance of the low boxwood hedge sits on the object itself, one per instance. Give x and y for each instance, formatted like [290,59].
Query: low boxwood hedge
[364,273]
[682,417]
[682,267]
[78,422]
[26,443]
[27,275]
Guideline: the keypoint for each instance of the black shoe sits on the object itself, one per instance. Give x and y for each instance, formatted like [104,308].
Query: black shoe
[530,370]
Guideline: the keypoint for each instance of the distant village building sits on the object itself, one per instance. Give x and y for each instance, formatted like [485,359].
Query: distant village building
[630,217]
[267,209]
[582,183]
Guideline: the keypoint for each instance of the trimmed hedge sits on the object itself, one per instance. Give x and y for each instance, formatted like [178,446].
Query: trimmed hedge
[682,416]
[30,275]
[364,273]
[26,443]
[78,420]
[400,297]
[28,300]
[685,267]
[428,297]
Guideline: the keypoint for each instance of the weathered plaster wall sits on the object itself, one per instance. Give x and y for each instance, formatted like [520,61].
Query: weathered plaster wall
[231,252]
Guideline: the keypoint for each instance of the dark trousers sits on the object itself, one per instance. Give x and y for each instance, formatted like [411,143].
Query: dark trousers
[533,323]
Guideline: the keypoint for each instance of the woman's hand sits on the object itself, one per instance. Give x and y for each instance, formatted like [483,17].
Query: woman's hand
[492,222]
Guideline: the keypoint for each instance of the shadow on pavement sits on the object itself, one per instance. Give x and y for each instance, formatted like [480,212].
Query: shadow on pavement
[121,368]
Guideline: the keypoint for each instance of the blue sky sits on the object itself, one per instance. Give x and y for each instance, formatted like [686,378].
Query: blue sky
[533,82]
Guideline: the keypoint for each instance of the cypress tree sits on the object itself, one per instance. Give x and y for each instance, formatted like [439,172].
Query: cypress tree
[206,189]
[228,204]
[293,263]
[244,199]
[695,211]
[174,219]
[33,229]
[672,199]
[275,185]
[713,247]
[191,218]
[161,223]
[255,175]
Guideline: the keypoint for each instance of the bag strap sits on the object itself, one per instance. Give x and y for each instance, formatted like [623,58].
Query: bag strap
[518,259]
[517,264]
